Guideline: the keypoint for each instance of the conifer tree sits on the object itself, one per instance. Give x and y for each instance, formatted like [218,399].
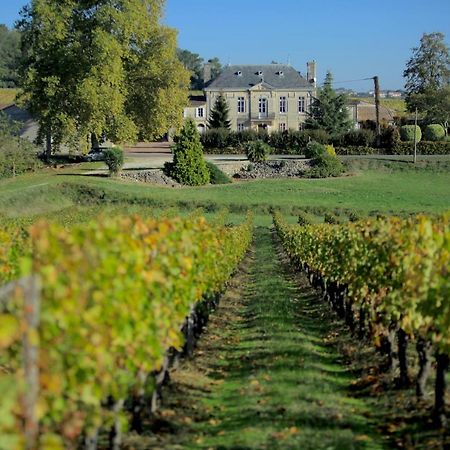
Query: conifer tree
[219,114]
[189,166]
[329,110]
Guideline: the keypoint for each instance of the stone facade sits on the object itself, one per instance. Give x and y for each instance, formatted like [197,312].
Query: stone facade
[271,97]
[197,111]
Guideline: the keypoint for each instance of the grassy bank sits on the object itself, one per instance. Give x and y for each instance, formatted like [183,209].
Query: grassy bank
[398,188]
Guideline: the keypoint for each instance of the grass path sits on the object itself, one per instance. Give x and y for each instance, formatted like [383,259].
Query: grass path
[265,375]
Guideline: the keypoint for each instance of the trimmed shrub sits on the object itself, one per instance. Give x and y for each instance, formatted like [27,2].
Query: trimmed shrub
[390,136]
[216,176]
[216,138]
[324,166]
[114,160]
[360,138]
[189,166]
[423,148]
[314,149]
[407,133]
[434,132]
[354,150]
[257,151]
[320,136]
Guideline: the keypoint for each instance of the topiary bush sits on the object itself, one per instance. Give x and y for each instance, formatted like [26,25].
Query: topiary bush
[114,160]
[189,166]
[434,132]
[257,151]
[407,133]
[324,166]
[217,176]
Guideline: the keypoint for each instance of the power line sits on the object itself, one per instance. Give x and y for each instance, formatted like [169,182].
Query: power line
[352,81]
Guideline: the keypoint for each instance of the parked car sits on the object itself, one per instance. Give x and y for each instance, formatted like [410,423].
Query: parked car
[96,154]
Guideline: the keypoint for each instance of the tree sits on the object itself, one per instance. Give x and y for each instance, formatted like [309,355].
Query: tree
[427,76]
[17,155]
[194,63]
[219,114]
[9,56]
[189,166]
[329,111]
[216,67]
[100,69]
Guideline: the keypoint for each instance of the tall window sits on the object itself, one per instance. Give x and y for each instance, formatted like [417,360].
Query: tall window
[301,104]
[241,105]
[263,106]
[282,127]
[200,112]
[283,105]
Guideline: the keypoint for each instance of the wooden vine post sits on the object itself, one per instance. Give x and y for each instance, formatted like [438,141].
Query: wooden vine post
[30,290]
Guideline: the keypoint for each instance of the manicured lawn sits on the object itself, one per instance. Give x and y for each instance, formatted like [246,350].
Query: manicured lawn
[367,191]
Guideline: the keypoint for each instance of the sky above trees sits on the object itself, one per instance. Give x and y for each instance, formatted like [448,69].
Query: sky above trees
[352,38]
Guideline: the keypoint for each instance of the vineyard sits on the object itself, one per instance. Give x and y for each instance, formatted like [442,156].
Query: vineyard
[389,280]
[97,313]
[93,316]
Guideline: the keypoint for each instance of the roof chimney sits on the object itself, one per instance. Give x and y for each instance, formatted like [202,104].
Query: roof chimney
[311,72]
[207,73]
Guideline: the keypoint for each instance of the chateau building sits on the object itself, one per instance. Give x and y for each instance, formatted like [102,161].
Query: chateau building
[271,97]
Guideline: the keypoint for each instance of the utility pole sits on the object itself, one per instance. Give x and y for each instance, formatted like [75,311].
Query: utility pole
[415,138]
[377,108]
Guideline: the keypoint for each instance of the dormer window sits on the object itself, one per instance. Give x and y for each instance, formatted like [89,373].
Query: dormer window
[260,73]
[239,73]
[281,73]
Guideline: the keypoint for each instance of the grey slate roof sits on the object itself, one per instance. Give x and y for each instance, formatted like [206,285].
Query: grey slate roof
[197,100]
[271,75]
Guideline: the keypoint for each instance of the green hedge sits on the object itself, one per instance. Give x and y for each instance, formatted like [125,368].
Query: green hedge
[359,150]
[423,148]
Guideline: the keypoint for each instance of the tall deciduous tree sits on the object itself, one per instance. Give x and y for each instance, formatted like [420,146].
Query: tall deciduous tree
[427,76]
[328,110]
[219,114]
[9,56]
[101,69]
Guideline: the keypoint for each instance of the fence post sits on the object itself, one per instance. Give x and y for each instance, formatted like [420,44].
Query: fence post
[32,296]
